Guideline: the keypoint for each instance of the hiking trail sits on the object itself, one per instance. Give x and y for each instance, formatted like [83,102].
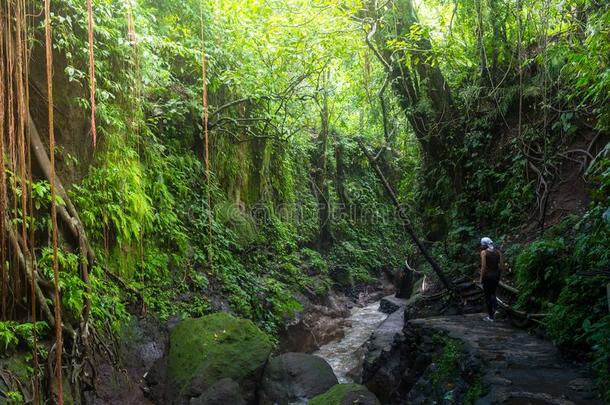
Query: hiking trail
[518,368]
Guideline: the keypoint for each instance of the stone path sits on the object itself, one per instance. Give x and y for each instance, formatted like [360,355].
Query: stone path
[518,368]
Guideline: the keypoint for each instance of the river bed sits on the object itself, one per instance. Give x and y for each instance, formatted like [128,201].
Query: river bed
[345,355]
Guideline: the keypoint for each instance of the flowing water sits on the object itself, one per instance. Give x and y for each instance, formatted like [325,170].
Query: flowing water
[345,355]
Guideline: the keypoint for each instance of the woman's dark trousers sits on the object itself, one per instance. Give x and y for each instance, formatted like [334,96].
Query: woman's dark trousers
[490,285]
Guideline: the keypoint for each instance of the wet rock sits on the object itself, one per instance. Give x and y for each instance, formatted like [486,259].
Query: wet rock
[533,366]
[143,342]
[312,331]
[363,294]
[355,373]
[346,394]
[380,345]
[206,350]
[383,365]
[293,377]
[155,379]
[401,371]
[391,304]
[316,325]
[581,384]
[493,363]
[225,391]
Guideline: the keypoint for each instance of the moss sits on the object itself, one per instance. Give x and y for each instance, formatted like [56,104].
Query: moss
[447,361]
[338,395]
[17,364]
[125,258]
[19,367]
[214,347]
[475,391]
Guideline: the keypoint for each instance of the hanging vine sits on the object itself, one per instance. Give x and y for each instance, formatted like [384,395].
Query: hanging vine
[27,182]
[3,204]
[57,300]
[205,119]
[91,70]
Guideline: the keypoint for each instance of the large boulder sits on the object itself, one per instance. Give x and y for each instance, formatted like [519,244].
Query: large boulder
[346,394]
[225,391]
[295,377]
[206,350]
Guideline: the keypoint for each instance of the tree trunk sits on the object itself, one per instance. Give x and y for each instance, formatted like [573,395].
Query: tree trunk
[67,213]
[407,225]
[414,77]
[319,179]
[340,174]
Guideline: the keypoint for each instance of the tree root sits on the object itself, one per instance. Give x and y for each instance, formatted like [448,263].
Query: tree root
[67,213]
[25,265]
[69,216]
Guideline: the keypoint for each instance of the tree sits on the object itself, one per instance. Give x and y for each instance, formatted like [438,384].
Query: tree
[404,48]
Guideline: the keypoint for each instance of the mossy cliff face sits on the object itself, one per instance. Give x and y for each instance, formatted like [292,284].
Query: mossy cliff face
[346,394]
[205,350]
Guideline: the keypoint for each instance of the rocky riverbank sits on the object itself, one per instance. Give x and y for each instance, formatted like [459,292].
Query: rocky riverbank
[325,319]
[224,359]
[346,354]
[460,359]
[413,356]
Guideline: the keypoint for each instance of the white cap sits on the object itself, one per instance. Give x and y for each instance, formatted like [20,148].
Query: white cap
[487,242]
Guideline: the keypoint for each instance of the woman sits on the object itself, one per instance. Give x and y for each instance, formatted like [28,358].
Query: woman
[491,270]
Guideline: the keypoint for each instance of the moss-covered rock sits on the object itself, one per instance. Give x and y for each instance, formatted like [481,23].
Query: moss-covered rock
[346,394]
[208,349]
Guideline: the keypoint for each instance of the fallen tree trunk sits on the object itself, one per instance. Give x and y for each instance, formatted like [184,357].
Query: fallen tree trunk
[407,224]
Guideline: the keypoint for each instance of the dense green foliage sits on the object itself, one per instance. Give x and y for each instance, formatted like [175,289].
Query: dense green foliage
[144,200]
[561,274]
[480,110]
[518,94]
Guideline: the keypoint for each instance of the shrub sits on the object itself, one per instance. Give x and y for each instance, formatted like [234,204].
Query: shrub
[541,269]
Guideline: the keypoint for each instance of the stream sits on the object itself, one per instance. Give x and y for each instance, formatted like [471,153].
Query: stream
[345,355]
